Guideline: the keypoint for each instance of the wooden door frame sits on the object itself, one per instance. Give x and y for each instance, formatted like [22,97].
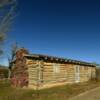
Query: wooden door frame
[77,73]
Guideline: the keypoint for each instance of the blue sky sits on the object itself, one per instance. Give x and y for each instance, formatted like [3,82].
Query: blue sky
[66,28]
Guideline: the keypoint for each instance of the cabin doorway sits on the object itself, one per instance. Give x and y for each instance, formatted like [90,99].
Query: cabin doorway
[77,73]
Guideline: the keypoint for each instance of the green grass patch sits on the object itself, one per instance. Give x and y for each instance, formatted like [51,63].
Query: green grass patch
[55,93]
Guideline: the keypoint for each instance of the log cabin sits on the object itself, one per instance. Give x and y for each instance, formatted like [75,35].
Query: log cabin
[42,71]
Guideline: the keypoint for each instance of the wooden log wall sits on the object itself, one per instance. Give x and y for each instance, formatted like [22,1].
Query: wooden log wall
[50,76]
[42,73]
[35,70]
[87,73]
[71,73]
[66,73]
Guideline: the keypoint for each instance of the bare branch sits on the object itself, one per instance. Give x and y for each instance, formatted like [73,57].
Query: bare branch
[7,15]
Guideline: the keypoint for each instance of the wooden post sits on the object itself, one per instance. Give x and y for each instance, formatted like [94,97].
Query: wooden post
[38,78]
[9,74]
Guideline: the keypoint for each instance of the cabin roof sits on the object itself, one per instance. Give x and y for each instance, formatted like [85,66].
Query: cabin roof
[58,59]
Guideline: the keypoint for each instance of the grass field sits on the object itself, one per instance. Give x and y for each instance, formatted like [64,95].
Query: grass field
[56,93]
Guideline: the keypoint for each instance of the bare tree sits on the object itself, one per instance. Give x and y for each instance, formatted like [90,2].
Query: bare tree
[14,48]
[7,14]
